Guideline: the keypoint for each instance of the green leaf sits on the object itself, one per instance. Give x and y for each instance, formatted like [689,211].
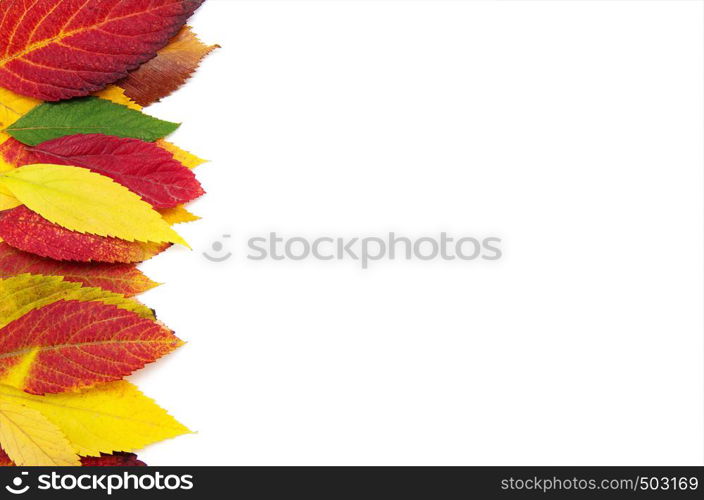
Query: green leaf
[87,115]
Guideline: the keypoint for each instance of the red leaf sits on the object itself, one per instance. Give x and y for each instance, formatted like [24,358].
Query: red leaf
[5,461]
[115,460]
[124,279]
[70,345]
[57,49]
[118,459]
[142,167]
[25,230]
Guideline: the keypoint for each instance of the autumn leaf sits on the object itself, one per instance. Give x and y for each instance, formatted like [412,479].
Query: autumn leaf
[57,49]
[15,154]
[8,202]
[169,70]
[124,279]
[87,115]
[184,157]
[143,167]
[12,108]
[25,230]
[104,460]
[70,345]
[114,460]
[30,439]
[117,95]
[24,293]
[5,166]
[178,215]
[88,187]
[109,417]
[83,201]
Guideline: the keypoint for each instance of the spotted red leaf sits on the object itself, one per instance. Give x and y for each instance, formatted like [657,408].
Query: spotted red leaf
[70,345]
[14,153]
[27,231]
[57,49]
[142,167]
[124,279]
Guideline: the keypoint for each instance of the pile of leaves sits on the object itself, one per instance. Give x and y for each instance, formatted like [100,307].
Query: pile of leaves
[89,188]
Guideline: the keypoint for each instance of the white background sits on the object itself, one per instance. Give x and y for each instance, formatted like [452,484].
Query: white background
[572,129]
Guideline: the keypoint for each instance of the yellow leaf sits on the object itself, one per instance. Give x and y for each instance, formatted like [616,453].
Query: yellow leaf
[83,201]
[109,417]
[26,292]
[117,95]
[187,159]
[4,166]
[8,202]
[12,108]
[30,439]
[177,215]
[7,199]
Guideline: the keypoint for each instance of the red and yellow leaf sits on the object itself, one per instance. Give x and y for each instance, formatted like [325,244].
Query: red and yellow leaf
[142,167]
[70,345]
[14,153]
[124,279]
[169,70]
[58,49]
[23,293]
[25,230]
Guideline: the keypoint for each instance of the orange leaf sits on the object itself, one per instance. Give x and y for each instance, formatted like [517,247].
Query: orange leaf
[169,70]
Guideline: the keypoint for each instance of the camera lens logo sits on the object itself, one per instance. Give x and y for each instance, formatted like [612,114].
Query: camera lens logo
[221,254]
[16,488]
